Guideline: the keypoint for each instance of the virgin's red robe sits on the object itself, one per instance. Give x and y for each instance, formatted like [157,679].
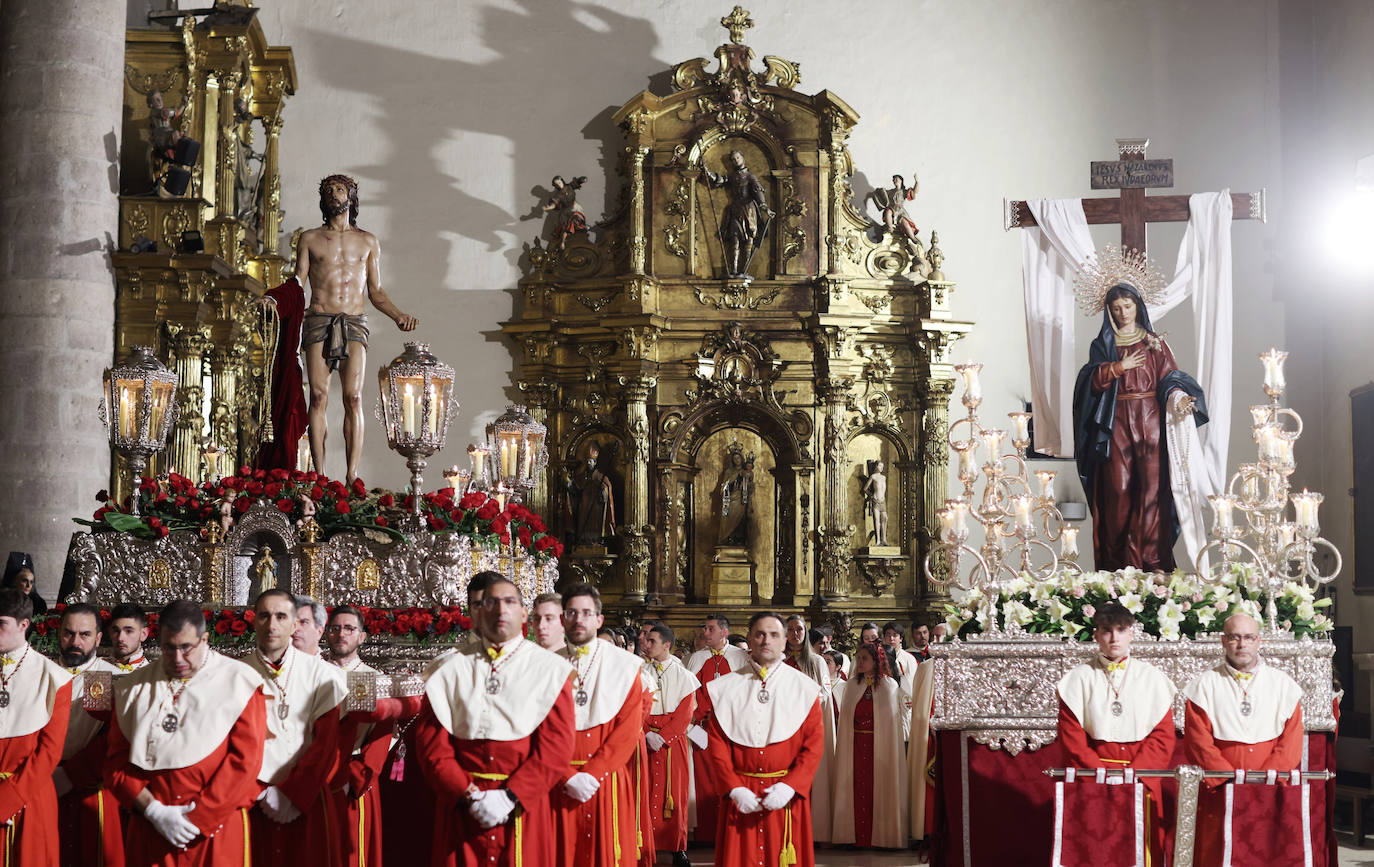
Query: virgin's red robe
[222,785]
[669,774]
[26,792]
[313,838]
[289,418]
[1133,506]
[707,792]
[741,838]
[531,766]
[88,821]
[1153,752]
[1283,754]
[360,807]
[601,831]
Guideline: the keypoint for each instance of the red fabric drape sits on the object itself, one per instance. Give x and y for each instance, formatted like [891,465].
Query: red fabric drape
[289,419]
[1096,827]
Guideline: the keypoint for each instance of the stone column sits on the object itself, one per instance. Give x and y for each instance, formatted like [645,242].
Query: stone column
[636,521]
[61,95]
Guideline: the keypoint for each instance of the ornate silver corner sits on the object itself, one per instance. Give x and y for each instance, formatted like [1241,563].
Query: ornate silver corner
[1126,146]
[1259,205]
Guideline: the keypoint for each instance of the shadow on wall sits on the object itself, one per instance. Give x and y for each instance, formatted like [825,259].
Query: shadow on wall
[424,101]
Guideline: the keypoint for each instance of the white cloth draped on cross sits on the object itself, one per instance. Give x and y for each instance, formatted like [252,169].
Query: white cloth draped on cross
[1052,252]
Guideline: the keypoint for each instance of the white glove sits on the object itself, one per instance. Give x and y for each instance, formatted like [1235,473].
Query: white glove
[655,741]
[60,781]
[697,735]
[581,786]
[745,800]
[777,796]
[491,807]
[171,822]
[278,807]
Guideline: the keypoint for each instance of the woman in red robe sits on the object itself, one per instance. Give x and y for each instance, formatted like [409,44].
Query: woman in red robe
[1120,402]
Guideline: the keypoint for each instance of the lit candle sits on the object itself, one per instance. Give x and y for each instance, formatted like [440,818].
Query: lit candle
[408,412]
[1283,451]
[968,464]
[1068,542]
[1287,532]
[1273,371]
[1020,427]
[973,389]
[1021,508]
[507,460]
[1046,478]
[451,475]
[960,507]
[992,439]
[1267,437]
[433,411]
[1225,521]
[124,412]
[946,516]
[1260,414]
[501,496]
[1305,507]
[1249,482]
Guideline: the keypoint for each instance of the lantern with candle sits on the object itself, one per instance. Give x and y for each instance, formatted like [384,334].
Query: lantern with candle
[139,407]
[416,405]
[516,440]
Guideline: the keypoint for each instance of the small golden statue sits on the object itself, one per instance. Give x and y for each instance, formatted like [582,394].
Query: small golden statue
[264,571]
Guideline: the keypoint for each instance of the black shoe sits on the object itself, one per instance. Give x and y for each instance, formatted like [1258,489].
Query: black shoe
[680,859]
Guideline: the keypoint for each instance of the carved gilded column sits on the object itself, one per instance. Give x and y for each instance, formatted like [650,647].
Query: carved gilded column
[271,204]
[540,396]
[188,360]
[637,529]
[931,599]
[226,168]
[226,366]
[638,242]
[836,532]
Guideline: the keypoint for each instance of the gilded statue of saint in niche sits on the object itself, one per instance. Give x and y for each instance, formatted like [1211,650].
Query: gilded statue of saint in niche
[875,502]
[744,224]
[736,489]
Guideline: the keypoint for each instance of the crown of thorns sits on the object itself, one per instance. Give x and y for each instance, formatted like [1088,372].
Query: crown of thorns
[1113,266]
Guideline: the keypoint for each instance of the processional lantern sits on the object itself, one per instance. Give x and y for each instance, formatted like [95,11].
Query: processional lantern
[138,408]
[417,403]
[517,451]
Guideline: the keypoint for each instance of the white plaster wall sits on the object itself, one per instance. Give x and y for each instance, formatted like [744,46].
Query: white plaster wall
[449,114]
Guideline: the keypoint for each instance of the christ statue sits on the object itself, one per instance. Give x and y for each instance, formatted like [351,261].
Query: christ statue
[342,263]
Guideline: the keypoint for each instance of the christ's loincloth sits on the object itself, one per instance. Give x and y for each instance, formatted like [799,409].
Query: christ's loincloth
[335,331]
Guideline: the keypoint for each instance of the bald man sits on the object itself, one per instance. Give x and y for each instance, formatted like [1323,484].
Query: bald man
[1241,715]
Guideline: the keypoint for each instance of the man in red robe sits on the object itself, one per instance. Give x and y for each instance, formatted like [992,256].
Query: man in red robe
[495,736]
[595,808]
[1241,715]
[765,746]
[665,734]
[717,658]
[364,741]
[184,749]
[127,631]
[88,817]
[35,702]
[1118,712]
[294,822]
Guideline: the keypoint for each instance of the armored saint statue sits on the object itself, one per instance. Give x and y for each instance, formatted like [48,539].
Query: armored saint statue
[569,218]
[595,500]
[736,489]
[1120,406]
[875,502]
[744,224]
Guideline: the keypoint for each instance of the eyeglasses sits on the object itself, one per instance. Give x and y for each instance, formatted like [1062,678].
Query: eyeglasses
[1250,638]
[584,614]
[346,629]
[493,603]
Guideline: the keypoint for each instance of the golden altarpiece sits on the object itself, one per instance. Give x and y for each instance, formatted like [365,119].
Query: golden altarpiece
[684,391]
[193,256]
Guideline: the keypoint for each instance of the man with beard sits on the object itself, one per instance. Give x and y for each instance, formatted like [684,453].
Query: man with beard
[716,659]
[670,757]
[765,747]
[547,621]
[294,822]
[343,264]
[87,815]
[35,694]
[594,808]
[495,736]
[310,622]
[184,750]
[127,631]
[920,641]
[364,740]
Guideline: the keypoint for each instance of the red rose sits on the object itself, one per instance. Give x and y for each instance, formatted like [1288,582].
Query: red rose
[222,628]
[162,532]
[249,614]
[500,525]
[160,498]
[241,504]
[525,536]
[245,470]
[456,516]
[280,474]
[285,505]
[381,521]
[464,621]
[359,488]
[219,492]
[386,501]
[436,523]
[271,490]
[154,522]
[260,475]
[297,476]
[238,627]
[557,548]
[342,507]
[316,492]
[100,513]
[102,496]
[337,489]
[536,525]
[488,511]
[472,500]
[179,502]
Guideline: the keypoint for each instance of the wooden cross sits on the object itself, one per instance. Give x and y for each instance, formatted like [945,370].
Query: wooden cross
[1133,210]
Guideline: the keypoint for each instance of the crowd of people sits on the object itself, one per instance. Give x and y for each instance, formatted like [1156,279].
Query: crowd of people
[556,747]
